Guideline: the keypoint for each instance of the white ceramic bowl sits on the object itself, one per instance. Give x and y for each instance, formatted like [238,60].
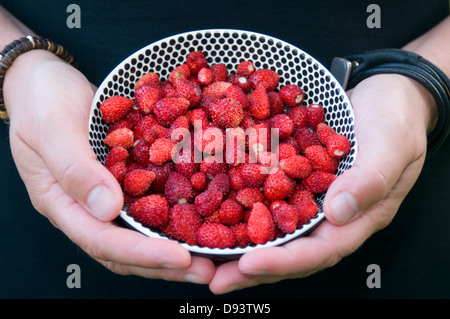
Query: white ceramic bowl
[230,47]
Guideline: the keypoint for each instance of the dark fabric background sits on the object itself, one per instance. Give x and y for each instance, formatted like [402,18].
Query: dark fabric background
[412,252]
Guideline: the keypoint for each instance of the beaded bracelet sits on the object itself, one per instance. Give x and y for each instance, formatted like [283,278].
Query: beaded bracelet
[14,49]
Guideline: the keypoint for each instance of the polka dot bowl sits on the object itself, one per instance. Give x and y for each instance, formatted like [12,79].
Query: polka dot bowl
[293,65]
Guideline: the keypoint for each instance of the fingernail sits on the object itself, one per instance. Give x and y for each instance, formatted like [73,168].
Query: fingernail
[343,207]
[195,279]
[100,202]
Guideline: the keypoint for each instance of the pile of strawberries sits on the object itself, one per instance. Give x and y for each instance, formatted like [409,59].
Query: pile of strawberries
[196,158]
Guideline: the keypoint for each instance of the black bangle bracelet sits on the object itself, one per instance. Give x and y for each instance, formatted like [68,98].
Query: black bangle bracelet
[20,46]
[357,67]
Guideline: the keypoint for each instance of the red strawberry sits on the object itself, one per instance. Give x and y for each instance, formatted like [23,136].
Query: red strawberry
[300,195]
[236,180]
[260,225]
[298,116]
[212,166]
[115,108]
[199,181]
[292,94]
[226,112]
[168,89]
[324,131]
[162,150]
[184,222]
[178,189]
[284,124]
[248,196]
[179,129]
[245,68]
[118,170]
[320,159]
[152,210]
[286,150]
[140,152]
[318,182]
[162,172]
[216,90]
[275,102]
[306,138]
[259,103]
[220,183]
[115,155]
[148,78]
[134,116]
[253,175]
[296,166]
[219,72]
[123,137]
[242,82]
[180,72]
[123,123]
[186,89]
[138,181]
[268,78]
[235,92]
[215,236]
[196,61]
[259,139]
[208,139]
[230,212]
[315,114]
[208,202]
[306,209]
[185,162]
[198,118]
[146,97]
[144,128]
[168,110]
[241,235]
[278,185]
[338,146]
[285,217]
[205,76]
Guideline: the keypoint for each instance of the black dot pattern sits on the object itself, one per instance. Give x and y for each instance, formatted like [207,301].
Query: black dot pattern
[230,47]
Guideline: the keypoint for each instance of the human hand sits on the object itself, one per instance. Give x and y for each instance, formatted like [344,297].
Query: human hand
[392,115]
[48,103]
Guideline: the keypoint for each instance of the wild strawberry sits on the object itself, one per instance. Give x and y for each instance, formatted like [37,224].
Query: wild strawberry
[168,110]
[284,124]
[181,71]
[185,162]
[236,93]
[318,182]
[245,68]
[152,210]
[115,155]
[324,131]
[275,102]
[179,129]
[134,116]
[285,217]
[184,222]
[215,236]
[259,139]
[259,103]
[338,146]
[286,150]
[320,159]
[168,90]
[315,114]
[220,183]
[213,218]
[253,175]
[140,152]
[148,78]
[138,181]
[196,60]
[146,97]
[292,94]
[144,128]
[236,180]
[118,170]
[199,181]
[198,118]
[219,72]
[278,185]
[208,202]
[186,89]
[123,123]
[298,116]
[230,212]
[306,138]
[306,209]
[300,195]
[248,196]
[162,150]
[123,137]
[212,166]
[268,78]
[209,139]
[241,234]
[216,90]
[178,189]
[260,225]
[162,172]
[160,131]
[226,113]
[242,82]
[296,166]
[115,108]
